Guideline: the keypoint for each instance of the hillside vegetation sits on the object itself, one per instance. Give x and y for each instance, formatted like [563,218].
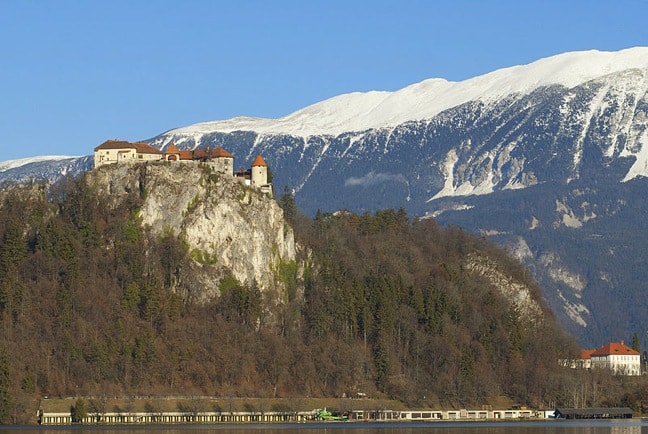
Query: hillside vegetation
[385,306]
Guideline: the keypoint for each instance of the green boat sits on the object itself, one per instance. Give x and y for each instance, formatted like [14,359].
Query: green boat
[326,415]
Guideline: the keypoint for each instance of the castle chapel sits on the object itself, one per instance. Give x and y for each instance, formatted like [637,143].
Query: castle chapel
[119,151]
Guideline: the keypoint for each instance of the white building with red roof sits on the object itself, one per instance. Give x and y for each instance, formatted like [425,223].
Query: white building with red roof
[615,356]
[119,151]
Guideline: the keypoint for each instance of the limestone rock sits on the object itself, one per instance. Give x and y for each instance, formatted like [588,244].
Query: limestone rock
[230,228]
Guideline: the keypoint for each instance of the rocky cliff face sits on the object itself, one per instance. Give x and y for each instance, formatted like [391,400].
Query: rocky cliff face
[519,293]
[230,229]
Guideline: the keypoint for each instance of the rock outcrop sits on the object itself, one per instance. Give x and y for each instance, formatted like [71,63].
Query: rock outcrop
[231,229]
[517,292]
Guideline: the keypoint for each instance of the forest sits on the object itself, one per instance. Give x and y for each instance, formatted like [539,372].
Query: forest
[384,306]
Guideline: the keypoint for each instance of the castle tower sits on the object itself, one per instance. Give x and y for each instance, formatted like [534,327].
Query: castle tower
[259,175]
[222,161]
[172,153]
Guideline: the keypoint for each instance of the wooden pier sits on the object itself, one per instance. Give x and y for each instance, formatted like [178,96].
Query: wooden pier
[170,418]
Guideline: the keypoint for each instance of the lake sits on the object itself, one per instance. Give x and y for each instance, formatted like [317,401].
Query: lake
[632,426]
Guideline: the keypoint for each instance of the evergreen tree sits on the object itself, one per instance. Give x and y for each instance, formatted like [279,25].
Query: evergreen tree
[78,411]
[4,387]
[287,202]
[12,251]
[635,343]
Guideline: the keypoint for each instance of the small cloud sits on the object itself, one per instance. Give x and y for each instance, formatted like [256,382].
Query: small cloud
[373,178]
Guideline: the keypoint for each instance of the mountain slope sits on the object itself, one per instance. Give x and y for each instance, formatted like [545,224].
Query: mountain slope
[44,168]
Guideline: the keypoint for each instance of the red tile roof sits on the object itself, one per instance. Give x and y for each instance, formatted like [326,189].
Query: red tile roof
[186,155]
[141,148]
[171,149]
[211,153]
[586,354]
[614,348]
[258,161]
[220,152]
[113,144]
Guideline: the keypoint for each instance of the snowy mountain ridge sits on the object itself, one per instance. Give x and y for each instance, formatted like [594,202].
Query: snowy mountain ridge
[49,169]
[359,111]
[14,164]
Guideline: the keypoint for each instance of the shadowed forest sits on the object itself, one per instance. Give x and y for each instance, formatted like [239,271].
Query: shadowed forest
[382,306]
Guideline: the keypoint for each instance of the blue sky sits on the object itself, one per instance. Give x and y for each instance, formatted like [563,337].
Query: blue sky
[78,72]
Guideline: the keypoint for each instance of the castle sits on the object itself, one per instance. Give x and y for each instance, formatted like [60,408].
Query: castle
[119,151]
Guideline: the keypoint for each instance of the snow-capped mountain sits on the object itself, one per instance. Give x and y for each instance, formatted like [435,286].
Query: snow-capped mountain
[546,158]
[457,139]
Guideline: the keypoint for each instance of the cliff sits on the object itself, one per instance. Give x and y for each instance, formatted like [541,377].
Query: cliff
[230,229]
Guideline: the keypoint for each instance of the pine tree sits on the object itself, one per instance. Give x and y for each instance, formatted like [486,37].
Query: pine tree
[4,388]
[287,203]
[635,343]
[12,252]
[78,411]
